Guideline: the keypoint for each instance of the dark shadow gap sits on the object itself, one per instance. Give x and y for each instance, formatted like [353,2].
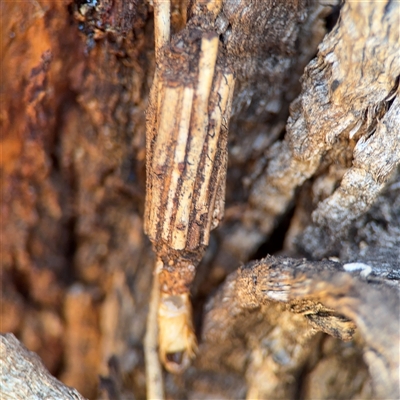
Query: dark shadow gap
[275,242]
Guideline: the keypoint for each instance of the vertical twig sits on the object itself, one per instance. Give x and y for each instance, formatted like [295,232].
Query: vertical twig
[162,22]
[154,379]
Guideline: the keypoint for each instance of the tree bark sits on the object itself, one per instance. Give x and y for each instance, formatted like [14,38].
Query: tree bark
[76,266]
[338,299]
[25,377]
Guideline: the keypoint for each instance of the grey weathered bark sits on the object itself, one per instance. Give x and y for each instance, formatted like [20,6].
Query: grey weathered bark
[349,107]
[23,375]
[326,296]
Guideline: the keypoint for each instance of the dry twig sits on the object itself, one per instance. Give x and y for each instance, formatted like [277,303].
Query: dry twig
[154,379]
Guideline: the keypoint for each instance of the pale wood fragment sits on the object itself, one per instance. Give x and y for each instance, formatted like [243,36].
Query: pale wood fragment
[178,162]
[214,131]
[162,152]
[186,152]
[199,125]
[220,119]
[186,162]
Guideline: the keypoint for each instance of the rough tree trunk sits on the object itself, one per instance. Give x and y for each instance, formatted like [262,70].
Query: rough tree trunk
[76,266]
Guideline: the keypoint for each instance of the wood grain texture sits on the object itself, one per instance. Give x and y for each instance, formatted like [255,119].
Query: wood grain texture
[187,127]
[336,298]
[187,143]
